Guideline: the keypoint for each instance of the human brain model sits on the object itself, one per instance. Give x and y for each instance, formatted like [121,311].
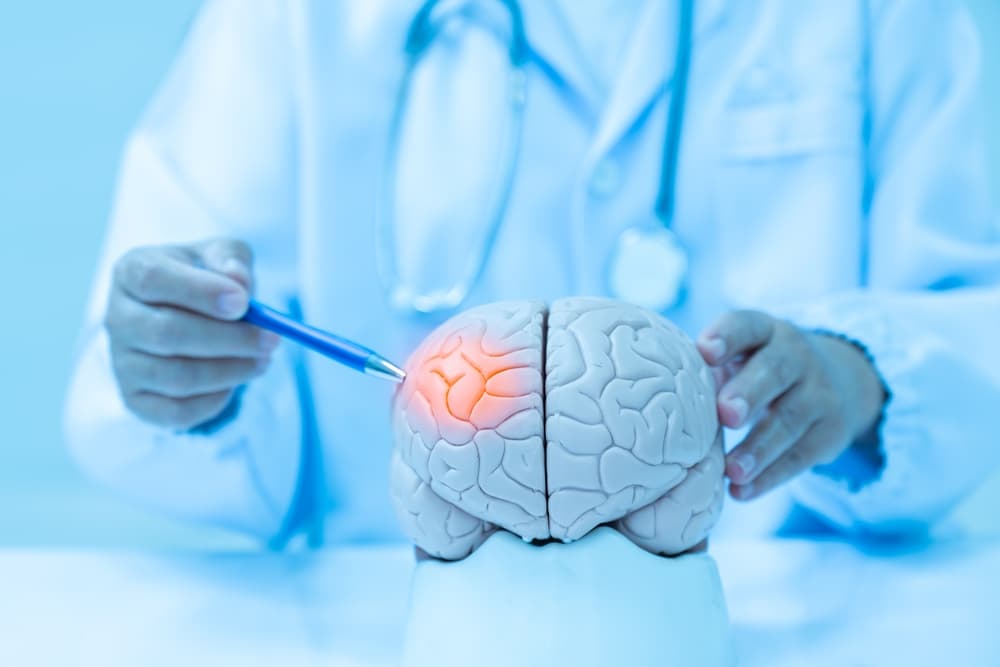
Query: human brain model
[548,422]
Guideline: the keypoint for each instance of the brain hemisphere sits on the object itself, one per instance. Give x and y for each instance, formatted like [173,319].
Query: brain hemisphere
[468,427]
[548,424]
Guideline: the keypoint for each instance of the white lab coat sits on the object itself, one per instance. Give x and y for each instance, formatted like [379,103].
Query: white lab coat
[831,171]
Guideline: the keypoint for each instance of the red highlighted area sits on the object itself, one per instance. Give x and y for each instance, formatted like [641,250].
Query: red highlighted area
[465,383]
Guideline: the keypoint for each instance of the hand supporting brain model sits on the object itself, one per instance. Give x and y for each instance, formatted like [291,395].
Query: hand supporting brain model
[550,422]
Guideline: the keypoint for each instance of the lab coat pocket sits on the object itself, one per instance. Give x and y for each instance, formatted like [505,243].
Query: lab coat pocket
[789,129]
[789,199]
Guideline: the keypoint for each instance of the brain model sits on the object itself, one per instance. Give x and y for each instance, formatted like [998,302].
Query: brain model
[550,422]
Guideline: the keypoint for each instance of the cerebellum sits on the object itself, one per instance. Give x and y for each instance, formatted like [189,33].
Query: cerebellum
[549,422]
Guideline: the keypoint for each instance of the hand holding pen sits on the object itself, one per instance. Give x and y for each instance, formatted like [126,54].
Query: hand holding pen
[179,344]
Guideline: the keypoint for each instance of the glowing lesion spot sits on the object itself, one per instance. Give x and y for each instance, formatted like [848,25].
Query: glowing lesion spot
[463,395]
[467,384]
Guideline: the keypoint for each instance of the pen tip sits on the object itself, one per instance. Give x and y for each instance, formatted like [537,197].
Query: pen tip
[383,368]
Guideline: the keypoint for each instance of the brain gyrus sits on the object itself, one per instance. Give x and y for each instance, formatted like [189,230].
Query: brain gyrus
[549,422]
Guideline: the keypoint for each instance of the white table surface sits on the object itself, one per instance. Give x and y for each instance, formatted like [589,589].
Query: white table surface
[791,602]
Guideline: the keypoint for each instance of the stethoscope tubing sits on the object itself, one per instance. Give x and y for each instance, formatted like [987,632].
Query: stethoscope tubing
[419,37]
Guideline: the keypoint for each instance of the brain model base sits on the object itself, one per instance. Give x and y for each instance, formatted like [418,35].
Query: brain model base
[549,421]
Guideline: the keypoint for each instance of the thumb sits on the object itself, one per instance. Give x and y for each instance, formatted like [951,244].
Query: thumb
[231,258]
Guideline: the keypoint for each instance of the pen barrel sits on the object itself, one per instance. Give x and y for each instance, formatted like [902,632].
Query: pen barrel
[340,349]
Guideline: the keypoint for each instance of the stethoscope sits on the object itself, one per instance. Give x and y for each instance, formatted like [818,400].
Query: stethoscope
[648,264]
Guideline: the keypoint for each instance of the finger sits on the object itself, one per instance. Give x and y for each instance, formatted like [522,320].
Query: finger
[810,450]
[784,424]
[767,374]
[171,332]
[178,413]
[162,276]
[180,377]
[723,374]
[229,257]
[736,332]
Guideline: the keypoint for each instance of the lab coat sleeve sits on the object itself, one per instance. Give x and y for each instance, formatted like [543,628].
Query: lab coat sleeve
[930,313]
[213,156]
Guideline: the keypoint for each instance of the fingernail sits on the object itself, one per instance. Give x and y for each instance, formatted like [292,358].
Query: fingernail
[233,265]
[714,347]
[269,341]
[232,304]
[739,408]
[744,463]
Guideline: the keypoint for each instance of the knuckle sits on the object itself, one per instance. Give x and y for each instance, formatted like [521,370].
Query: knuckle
[745,314]
[112,317]
[759,324]
[745,328]
[799,344]
[784,329]
[724,324]
[131,324]
[232,248]
[735,320]
[123,267]
[187,378]
[142,274]
[162,330]
[170,376]
[788,418]
[782,334]
[249,337]
[796,459]
[726,321]
[124,366]
[243,249]
[785,369]
[756,377]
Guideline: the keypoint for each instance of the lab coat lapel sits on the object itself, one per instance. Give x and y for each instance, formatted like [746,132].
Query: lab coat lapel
[649,66]
[552,44]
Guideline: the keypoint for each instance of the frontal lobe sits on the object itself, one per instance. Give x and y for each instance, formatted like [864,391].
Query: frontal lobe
[468,430]
[630,425]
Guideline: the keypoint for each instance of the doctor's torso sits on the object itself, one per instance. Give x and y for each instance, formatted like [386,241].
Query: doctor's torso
[769,203]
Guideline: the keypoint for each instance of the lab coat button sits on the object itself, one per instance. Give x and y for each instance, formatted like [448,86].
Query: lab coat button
[606,178]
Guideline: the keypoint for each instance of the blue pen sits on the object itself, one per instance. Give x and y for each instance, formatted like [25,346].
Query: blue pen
[339,349]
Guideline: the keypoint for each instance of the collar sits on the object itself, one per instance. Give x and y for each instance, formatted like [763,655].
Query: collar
[646,69]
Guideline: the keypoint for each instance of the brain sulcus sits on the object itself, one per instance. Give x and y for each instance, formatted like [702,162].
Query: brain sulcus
[548,422]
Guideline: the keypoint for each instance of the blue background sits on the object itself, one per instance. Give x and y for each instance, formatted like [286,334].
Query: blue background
[74,76]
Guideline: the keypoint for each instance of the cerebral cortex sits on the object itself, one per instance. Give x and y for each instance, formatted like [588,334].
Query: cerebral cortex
[549,421]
